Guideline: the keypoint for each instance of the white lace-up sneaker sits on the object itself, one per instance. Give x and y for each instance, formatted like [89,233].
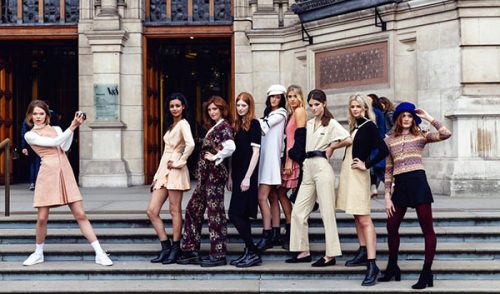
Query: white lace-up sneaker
[33,259]
[103,259]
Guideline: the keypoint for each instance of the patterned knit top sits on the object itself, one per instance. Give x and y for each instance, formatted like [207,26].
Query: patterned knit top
[405,151]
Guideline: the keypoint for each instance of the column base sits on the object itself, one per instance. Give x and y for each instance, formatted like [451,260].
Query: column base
[104,173]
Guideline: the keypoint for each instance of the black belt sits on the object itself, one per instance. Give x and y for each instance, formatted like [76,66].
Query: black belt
[316,153]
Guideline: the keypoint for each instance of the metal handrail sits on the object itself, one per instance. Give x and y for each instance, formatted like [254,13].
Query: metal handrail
[5,145]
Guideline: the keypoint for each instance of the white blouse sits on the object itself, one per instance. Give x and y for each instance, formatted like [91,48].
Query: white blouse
[62,140]
[228,146]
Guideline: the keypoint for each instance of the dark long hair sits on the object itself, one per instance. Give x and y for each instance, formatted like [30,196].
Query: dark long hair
[41,104]
[376,101]
[184,102]
[224,111]
[268,104]
[320,96]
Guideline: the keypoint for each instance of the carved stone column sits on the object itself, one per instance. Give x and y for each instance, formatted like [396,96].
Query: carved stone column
[106,166]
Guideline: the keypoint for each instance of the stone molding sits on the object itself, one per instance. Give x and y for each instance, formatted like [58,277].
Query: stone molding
[107,125]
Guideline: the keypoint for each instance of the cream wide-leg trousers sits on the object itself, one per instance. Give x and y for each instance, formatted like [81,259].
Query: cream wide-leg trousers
[318,182]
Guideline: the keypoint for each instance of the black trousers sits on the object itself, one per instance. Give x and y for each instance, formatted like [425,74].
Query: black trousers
[243,226]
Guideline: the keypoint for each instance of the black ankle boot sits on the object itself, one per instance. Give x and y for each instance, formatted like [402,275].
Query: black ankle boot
[286,241]
[392,270]
[237,260]
[360,258]
[277,240]
[371,273]
[266,242]
[426,277]
[166,246]
[174,253]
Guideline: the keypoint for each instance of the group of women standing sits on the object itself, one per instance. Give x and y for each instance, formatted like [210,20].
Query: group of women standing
[262,167]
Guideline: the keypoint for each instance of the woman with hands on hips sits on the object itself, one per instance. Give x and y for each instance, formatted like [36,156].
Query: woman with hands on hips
[56,184]
[354,186]
[404,168]
[212,176]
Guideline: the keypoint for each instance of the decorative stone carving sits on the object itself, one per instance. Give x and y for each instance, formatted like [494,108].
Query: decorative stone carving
[72,11]
[30,11]
[51,10]
[158,10]
[179,10]
[201,10]
[353,66]
[9,11]
[222,10]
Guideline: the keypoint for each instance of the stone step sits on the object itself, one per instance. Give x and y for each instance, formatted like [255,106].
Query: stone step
[274,270]
[441,218]
[243,286]
[144,252]
[144,235]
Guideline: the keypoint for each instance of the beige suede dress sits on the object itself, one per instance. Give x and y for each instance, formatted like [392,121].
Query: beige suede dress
[179,144]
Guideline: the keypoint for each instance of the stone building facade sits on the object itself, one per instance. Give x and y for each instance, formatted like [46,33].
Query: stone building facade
[443,55]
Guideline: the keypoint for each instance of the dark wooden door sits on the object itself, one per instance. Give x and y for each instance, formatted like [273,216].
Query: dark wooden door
[152,136]
[6,109]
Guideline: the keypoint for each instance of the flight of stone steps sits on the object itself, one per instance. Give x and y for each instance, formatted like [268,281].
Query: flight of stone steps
[466,260]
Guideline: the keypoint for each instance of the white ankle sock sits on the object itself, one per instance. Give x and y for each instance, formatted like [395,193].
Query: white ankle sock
[97,247]
[39,248]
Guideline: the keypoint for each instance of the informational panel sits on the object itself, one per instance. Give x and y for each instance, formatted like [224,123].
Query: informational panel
[106,101]
[353,66]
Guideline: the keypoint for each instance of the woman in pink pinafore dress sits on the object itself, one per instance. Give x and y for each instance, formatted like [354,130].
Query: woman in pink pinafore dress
[56,184]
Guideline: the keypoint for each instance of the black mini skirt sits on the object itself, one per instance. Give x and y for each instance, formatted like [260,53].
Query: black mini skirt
[411,189]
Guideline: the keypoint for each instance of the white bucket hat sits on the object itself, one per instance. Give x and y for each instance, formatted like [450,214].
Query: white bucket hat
[276,90]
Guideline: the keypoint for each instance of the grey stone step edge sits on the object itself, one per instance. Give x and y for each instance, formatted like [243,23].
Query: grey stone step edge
[144,267]
[242,286]
[232,248]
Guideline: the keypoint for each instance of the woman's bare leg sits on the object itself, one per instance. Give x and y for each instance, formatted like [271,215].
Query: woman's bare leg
[158,198]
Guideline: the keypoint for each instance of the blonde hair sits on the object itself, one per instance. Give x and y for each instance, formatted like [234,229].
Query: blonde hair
[363,100]
[297,90]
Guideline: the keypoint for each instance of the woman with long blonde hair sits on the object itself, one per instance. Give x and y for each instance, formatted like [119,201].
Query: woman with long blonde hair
[354,186]
[295,131]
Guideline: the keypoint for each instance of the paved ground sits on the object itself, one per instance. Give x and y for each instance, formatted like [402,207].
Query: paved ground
[135,199]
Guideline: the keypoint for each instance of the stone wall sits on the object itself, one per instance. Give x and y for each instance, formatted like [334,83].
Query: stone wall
[110,53]
[442,55]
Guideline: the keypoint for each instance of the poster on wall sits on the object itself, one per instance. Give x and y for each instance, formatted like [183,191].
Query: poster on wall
[106,102]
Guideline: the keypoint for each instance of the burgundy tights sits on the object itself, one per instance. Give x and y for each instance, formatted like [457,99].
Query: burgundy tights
[424,214]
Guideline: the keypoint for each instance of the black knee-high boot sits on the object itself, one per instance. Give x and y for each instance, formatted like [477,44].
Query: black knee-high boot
[426,277]
[166,246]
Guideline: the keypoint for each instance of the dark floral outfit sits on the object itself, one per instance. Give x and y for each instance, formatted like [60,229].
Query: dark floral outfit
[209,195]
